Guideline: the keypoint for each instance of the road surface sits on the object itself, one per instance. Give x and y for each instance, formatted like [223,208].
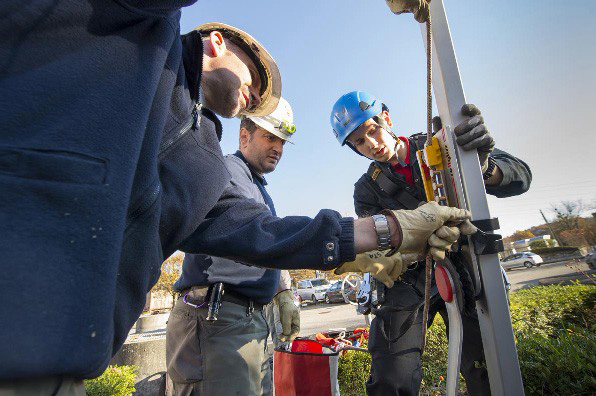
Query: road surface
[322,317]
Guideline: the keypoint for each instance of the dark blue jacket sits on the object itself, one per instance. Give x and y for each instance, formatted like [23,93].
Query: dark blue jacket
[104,172]
[255,283]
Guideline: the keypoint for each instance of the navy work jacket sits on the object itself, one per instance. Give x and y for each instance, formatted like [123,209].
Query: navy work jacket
[106,168]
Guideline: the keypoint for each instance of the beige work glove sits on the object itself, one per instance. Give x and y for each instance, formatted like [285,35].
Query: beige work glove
[289,315]
[417,7]
[432,225]
[385,269]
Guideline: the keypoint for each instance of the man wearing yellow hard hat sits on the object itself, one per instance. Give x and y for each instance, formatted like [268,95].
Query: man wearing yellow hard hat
[118,158]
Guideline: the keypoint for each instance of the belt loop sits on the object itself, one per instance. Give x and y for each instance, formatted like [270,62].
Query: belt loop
[250,308]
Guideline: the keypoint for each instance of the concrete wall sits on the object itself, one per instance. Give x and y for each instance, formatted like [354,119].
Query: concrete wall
[150,357]
[151,322]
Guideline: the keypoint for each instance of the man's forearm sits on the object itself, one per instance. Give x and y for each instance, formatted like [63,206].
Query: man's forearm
[365,235]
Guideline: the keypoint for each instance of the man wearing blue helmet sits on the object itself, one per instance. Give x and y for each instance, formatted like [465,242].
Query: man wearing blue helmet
[393,181]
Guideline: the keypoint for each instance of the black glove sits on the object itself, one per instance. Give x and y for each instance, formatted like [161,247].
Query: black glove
[472,133]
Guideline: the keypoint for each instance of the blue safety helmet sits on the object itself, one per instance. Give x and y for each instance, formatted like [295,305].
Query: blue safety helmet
[351,110]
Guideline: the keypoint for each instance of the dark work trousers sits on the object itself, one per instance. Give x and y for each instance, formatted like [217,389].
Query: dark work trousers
[227,357]
[396,366]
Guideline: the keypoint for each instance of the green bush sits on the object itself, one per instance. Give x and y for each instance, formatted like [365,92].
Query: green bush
[354,367]
[115,381]
[556,339]
[543,310]
[542,244]
[556,249]
[560,365]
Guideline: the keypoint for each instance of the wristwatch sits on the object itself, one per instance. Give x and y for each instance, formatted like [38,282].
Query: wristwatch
[382,229]
[490,168]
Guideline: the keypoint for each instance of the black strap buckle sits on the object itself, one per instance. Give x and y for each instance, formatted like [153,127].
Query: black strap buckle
[485,243]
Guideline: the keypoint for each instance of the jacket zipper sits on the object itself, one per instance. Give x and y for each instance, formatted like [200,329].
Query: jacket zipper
[146,204]
[193,122]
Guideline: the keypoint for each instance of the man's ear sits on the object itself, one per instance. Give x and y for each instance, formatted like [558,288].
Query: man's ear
[387,118]
[218,44]
[244,137]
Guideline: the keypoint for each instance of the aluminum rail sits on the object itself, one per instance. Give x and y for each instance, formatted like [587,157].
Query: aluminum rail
[465,187]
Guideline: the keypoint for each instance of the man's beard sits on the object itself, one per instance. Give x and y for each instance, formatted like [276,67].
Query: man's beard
[221,100]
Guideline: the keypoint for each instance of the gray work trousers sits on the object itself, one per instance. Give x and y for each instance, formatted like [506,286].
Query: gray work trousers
[46,386]
[224,357]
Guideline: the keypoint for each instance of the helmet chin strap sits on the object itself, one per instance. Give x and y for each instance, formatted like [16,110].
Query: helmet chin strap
[383,124]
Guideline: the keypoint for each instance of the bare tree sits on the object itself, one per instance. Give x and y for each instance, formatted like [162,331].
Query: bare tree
[568,213]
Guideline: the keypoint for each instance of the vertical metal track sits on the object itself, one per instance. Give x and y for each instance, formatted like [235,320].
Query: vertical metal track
[465,187]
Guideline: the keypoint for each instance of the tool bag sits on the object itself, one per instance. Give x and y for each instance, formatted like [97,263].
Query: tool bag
[307,369]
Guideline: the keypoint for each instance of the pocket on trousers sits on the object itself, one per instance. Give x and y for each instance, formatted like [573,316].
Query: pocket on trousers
[53,165]
[232,318]
[184,359]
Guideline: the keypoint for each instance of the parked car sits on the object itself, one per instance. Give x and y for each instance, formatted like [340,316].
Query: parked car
[591,259]
[525,259]
[313,289]
[334,293]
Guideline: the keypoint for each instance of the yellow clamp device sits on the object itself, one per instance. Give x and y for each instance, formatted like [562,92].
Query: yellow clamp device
[430,158]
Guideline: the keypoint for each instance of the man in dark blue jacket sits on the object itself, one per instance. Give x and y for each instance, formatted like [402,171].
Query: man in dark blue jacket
[199,355]
[109,163]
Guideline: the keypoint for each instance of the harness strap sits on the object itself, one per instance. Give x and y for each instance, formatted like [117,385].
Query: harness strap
[384,310]
[390,188]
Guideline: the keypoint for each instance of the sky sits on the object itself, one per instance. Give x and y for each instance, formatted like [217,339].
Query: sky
[528,66]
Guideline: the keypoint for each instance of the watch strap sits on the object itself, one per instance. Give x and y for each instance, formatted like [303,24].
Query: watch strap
[490,169]
[382,229]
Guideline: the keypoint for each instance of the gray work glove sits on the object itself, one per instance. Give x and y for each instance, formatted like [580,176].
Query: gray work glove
[289,315]
[472,134]
[431,225]
[417,7]
[385,269]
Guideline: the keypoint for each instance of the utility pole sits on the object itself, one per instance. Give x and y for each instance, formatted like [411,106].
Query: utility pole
[550,228]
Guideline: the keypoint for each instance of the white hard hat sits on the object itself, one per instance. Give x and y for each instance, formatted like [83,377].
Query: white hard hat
[266,66]
[280,122]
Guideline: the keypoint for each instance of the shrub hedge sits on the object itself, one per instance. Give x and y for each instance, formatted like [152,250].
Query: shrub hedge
[115,381]
[556,249]
[555,330]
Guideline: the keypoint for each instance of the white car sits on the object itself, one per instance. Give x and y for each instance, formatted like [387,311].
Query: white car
[313,289]
[524,259]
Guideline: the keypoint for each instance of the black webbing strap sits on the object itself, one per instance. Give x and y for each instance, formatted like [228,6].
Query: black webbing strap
[390,188]
[487,224]
[384,310]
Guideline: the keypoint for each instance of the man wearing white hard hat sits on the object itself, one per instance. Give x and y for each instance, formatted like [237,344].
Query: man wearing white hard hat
[232,357]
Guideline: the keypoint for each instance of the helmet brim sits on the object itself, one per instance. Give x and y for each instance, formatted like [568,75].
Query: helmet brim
[269,128]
